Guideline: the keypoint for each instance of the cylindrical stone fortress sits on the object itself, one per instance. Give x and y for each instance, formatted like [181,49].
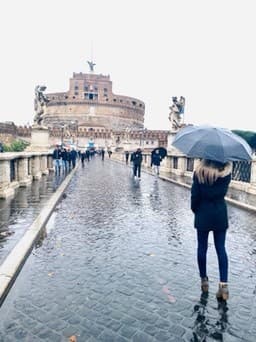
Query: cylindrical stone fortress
[91,102]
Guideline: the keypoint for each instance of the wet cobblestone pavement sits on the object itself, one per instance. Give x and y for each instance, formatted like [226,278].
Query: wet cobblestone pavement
[18,213]
[119,264]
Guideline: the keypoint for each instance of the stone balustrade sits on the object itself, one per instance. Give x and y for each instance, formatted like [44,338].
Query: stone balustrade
[179,165]
[21,168]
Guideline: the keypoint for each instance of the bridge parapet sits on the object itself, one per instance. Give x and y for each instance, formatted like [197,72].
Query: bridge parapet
[179,165]
[18,169]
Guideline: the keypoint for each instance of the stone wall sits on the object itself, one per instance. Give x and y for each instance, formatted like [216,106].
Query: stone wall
[8,132]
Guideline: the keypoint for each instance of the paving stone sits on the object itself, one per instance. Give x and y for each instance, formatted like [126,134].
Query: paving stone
[120,264]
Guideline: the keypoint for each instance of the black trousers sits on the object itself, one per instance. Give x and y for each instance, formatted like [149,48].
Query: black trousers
[136,170]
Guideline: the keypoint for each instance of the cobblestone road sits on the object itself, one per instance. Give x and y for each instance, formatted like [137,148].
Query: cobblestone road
[119,264]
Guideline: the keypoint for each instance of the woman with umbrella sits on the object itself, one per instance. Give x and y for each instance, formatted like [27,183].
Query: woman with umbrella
[216,147]
[210,184]
[157,156]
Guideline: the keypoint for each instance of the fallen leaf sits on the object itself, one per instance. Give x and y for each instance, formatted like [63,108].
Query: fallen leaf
[166,290]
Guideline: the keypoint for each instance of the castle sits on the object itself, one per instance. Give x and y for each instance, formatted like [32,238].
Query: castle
[90,102]
[90,110]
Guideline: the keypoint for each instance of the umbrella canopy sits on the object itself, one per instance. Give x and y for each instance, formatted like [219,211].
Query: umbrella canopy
[212,143]
[162,151]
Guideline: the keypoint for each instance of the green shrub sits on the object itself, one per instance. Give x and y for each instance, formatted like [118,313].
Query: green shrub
[16,146]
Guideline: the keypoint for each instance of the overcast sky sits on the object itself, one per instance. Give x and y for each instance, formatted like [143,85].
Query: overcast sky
[153,50]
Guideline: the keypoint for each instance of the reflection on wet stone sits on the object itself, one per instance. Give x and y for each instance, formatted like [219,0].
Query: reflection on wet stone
[19,212]
[118,263]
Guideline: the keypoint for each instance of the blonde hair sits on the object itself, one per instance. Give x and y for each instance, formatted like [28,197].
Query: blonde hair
[208,171]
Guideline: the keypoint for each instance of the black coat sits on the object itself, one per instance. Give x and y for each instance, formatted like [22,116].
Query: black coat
[56,153]
[156,159]
[208,204]
[136,158]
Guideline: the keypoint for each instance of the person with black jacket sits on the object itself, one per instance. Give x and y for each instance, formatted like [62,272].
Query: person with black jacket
[156,161]
[56,156]
[210,185]
[136,158]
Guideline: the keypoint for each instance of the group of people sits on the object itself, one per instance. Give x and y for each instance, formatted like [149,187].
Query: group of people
[64,158]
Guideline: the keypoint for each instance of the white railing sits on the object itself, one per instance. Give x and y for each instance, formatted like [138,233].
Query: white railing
[20,168]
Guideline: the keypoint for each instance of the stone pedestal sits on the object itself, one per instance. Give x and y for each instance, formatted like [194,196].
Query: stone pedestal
[170,139]
[23,176]
[39,139]
[5,180]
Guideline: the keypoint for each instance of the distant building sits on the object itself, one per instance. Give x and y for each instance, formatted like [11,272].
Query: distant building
[90,102]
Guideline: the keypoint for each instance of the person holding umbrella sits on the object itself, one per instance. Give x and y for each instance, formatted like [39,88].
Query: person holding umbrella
[216,147]
[210,184]
[156,161]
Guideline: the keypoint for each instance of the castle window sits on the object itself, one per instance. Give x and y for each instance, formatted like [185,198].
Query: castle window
[76,93]
[106,99]
[74,97]
[105,90]
[121,101]
[66,97]
[85,88]
[76,87]
[95,88]
[134,103]
[114,100]
[105,95]
[140,105]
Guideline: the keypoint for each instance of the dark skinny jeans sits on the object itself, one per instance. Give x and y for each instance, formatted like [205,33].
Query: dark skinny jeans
[219,242]
[136,170]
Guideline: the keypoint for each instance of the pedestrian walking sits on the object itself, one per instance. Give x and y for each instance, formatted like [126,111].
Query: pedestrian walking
[210,184]
[64,157]
[73,156]
[69,158]
[126,157]
[1,148]
[109,153]
[56,156]
[87,155]
[83,157]
[102,154]
[136,158]
[156,161]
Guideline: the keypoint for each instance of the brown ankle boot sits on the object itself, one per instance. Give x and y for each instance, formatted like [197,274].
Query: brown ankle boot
[222,293]
[204,284]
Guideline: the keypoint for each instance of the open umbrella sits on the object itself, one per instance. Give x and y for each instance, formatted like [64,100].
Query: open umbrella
[162,151]
[212,143]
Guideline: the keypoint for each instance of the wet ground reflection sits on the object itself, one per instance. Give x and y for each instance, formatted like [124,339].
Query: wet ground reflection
[205,324]
[17,213]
